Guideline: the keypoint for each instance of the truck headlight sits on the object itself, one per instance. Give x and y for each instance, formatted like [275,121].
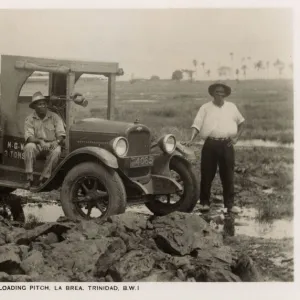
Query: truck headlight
[168,143]
[120,146]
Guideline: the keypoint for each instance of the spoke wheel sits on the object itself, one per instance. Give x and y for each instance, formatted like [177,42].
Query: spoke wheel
[91,190]
[90,197]
[11,208]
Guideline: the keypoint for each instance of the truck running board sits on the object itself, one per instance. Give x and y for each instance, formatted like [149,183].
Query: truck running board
[12,184]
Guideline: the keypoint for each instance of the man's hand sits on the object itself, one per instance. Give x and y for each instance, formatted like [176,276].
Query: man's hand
[232,141]
[45,146]
[53,145]
[188,143]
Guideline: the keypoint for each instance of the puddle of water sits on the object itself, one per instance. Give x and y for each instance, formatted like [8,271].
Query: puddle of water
[141,209]
[50,212]
[278,229]
[258,143]
[261,143]
[45,213]
[141,101]
[245,224]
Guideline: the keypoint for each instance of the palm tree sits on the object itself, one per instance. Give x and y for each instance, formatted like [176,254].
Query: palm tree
[258,65]
[237,72]
[195,63]
[203,67]
[267,67]
[279,65]
[244,68]
[208,72]
[281,68]
[231,57]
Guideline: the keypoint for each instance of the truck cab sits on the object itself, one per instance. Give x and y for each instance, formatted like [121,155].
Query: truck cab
[104,163]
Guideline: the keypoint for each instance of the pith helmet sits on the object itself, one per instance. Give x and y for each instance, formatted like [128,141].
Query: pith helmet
[212,88]
[35,98]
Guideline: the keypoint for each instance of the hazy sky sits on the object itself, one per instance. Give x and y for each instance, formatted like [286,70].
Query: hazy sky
[148,42]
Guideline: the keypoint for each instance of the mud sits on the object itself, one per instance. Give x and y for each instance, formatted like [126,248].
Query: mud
[263,230]
[268,244]
[128,247]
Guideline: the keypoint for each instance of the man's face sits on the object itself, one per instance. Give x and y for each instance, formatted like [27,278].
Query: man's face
[219,94]
[41,107]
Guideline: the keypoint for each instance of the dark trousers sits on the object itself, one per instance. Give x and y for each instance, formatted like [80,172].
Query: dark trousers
[217,153]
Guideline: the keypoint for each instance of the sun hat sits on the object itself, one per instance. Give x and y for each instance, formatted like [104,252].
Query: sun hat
[213,86]
[35,98]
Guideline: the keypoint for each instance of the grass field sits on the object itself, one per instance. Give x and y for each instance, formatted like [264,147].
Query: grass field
[267,105]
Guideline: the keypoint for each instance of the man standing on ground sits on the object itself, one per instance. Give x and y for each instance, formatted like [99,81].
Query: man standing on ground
[220,124]
[44,135]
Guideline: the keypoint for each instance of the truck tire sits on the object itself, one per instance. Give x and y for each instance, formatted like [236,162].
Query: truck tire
[11,206]
[188,198]
[6,190]
[85,184]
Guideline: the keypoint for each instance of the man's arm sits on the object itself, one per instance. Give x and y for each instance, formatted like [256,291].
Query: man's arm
[197,125]
[44,145]
[29,134]
[240,126]
[195,132]
[34,140]
[60,132]
[234,140]
[240,129]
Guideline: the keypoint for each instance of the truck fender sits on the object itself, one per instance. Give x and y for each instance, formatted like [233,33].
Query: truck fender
[161,164]
[103,155]
[75,157]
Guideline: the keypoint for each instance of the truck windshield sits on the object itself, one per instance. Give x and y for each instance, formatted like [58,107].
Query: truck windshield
[94,89]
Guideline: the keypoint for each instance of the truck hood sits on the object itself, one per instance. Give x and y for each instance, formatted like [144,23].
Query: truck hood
[105,126]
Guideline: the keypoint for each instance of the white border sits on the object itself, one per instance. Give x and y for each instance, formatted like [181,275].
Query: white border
[189,291]
[76,4]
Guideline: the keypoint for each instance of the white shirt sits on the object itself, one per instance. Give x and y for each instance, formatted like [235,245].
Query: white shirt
[218,122]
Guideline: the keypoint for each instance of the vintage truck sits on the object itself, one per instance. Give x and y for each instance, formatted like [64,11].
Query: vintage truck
[105,163]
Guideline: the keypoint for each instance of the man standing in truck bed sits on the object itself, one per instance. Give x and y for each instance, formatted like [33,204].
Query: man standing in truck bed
[44,135]
[220,124]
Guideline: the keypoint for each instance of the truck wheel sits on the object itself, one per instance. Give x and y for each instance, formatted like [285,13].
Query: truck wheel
[91,190]
[183,201]
[10,206]
[6,190]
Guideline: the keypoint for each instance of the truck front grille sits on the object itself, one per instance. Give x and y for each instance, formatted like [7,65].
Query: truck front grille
[139,143]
